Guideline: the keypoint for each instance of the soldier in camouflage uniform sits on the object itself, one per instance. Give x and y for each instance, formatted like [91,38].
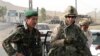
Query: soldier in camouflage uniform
[26,38]
[68,39]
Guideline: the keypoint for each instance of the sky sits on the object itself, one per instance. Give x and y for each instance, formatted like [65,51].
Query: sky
[83,6]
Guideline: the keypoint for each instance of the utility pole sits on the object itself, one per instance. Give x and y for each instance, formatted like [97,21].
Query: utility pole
[95,14]
[76,4]
[55,13]
[38,10]
[30,4]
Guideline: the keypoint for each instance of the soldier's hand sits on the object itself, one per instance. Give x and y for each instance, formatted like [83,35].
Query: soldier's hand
[68,40]
[19,54]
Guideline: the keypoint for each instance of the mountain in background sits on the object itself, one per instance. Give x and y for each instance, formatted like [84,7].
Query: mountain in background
[49,13]
[14,7]
[94,15]
[11,6]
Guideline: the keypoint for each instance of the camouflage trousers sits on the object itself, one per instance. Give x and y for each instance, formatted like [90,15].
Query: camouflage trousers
[66,51]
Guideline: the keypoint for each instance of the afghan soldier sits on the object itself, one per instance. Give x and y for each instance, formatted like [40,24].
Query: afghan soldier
[68,39]
[84,25]
[26,38]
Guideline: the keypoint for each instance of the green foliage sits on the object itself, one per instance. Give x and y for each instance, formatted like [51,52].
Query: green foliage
[3,11]
[43,15]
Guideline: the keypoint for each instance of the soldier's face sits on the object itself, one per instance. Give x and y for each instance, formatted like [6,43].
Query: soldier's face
[32,21]
[85,27]
[70,19]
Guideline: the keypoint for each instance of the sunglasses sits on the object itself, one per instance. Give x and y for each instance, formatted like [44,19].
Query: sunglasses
[70,16]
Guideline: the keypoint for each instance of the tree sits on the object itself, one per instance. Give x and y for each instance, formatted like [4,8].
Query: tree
[3,11]
[43,14]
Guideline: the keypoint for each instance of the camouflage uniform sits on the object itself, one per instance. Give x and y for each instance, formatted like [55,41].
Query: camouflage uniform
[76,41]
[27,42]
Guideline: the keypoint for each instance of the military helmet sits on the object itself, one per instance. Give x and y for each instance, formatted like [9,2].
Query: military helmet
[71,11]
[84,21]
[29,13]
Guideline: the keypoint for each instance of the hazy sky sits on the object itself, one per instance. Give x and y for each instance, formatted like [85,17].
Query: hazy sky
[83,6]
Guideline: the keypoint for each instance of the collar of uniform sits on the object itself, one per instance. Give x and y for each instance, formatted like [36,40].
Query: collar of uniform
[25,25]
[66,24]
[63,24]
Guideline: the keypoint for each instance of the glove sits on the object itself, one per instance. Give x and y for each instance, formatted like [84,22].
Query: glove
[68,40]
[19,54]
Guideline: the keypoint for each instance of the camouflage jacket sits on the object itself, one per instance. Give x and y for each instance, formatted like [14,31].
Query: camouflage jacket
[27,43]
[76,48]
